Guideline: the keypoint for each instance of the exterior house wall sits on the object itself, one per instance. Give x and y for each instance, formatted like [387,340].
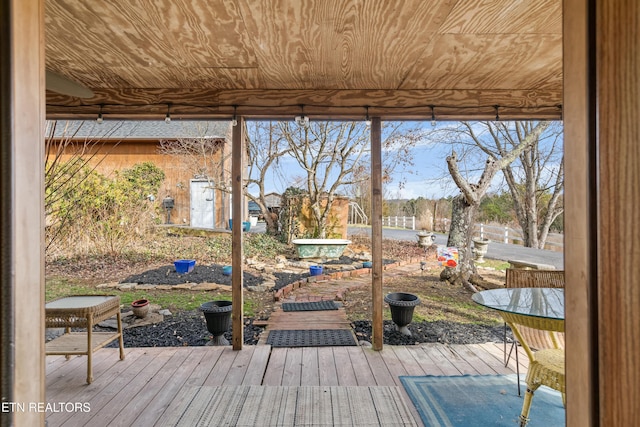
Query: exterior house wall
[115,156]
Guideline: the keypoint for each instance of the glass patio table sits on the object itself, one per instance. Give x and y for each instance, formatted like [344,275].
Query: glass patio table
[520,303]
[537,308]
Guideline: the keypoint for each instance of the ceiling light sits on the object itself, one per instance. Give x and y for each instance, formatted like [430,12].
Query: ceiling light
[497,112]
[367,119]
[167,118]
[302,120]
[99,120]
[433,115]
[234,120]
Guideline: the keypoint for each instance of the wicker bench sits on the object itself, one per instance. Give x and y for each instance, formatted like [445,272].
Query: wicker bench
[82,311]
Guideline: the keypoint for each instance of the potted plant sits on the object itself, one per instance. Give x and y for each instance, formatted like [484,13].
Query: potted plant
[401,305]
[480,246]
[217,315]
[140,308]
[425,238]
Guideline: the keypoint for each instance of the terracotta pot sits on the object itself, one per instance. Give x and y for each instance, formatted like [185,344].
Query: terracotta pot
[140,308]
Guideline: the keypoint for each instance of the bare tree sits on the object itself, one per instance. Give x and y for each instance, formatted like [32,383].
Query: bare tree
[335,155]
[536,180]
[266,148]
[202,156]
[465,204]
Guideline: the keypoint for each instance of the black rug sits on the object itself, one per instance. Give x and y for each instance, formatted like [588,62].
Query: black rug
[309,306]
[311,338]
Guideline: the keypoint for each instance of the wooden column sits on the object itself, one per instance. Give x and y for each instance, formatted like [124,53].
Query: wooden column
[237,175]
[617,116]
[376,232]
[580,260]
[22,208]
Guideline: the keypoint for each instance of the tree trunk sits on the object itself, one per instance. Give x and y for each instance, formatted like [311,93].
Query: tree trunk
[460,237]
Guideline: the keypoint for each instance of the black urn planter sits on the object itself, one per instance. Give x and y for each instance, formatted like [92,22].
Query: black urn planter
[402,305]
[217,314]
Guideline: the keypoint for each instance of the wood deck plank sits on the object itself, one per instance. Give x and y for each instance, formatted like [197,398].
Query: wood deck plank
[463,365]
[210,356]
[411,365]
[219,371]
[258,365]
[488,359]
[292,367]
[138,390]
[326,319]
[497,351]
[445,365]
[275,369]
[117,387]
[344,367]
[310,374]
[394,365]
[327,367]
[364,374]
[170,375]
[379,368]
[136,408]
[77,390]
[174,384]
[235,375]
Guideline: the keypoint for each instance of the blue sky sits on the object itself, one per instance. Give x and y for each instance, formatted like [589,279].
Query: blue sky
[428,177]
[423,179]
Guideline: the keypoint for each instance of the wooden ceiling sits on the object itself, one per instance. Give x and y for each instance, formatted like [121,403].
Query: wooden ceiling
[334,57]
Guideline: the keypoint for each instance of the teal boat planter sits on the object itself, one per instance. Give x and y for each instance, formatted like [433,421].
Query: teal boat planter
[320,248]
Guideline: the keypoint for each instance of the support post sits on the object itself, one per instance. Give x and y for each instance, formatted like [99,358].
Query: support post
[237,166]
[376,232]
[22,102]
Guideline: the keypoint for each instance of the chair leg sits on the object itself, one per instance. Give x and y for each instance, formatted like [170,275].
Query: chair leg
[518,369]
[526,405]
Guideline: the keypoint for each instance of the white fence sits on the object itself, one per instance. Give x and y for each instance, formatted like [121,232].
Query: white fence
[503,234]
[497,233]
[399,222]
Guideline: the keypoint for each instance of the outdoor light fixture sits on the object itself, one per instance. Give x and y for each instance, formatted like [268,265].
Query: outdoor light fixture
[497,112]
[167,118]
[433,115]
[99,119]
[234,120]
[367,119]
[302,120]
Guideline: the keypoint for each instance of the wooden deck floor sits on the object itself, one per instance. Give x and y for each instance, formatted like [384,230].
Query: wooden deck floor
[148,386]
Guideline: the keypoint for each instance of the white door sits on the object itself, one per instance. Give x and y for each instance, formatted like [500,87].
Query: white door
[202,204]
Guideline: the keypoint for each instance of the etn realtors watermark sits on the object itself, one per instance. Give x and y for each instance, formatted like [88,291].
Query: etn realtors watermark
[49,407]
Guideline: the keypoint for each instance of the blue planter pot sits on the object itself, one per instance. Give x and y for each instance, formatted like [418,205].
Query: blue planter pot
[315,270]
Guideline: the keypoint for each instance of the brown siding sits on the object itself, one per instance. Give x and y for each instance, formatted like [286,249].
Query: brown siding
[114,156]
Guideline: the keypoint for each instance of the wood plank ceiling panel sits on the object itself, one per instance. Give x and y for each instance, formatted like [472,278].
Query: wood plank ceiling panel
[334,56]
[340,44]
[150,44]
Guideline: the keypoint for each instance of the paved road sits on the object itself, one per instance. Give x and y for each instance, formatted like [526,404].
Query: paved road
[495,250]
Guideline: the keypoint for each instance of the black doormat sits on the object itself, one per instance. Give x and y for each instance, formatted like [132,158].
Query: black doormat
[311,338]
[309,306]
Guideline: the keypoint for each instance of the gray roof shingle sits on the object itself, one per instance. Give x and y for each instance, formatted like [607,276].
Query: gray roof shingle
[149,129]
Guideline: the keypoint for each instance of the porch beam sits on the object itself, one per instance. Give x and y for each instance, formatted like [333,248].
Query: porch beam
[237,297]
[451,104]
[376,232]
